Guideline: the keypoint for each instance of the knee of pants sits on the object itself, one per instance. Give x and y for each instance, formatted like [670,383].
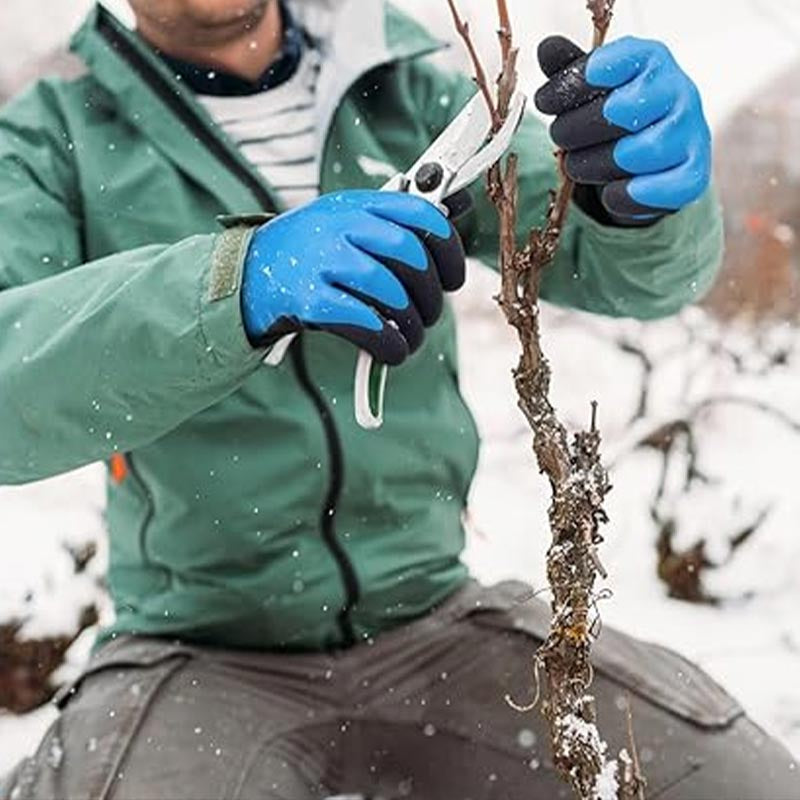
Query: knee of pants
[82,755]
[692,734]
[152,719]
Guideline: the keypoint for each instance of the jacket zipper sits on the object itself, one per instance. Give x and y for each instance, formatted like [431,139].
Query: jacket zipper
[220,150]
[328,519]
[149,510]
[147,519]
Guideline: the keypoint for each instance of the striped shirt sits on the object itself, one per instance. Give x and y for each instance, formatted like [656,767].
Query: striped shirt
[276,130]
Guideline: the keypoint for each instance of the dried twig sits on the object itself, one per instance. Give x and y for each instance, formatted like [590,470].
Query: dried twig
[505,31]
[633,782]
[462,26]
[602,12]
[578,482]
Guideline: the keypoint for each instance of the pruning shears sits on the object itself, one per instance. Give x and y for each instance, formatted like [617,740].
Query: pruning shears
[463,152]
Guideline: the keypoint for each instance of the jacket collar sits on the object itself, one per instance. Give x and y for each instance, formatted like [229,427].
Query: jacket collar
[356,35]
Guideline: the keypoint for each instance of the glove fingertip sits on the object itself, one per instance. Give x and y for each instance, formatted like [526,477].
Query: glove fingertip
[386,346]
[556,53]
[459,205]
[624,209]
[544,100]
[392,348]
[455,281]
[453,267]
[576,167]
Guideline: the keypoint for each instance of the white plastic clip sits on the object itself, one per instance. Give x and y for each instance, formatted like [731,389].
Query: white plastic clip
[278,351]
[369,392]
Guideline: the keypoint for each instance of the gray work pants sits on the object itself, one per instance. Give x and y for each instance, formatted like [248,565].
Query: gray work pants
[419,713]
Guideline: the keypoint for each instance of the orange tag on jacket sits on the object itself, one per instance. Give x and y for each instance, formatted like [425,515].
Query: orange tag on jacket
[118,467]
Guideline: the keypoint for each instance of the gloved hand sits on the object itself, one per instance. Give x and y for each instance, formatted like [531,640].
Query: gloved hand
[368,266]
[631,122]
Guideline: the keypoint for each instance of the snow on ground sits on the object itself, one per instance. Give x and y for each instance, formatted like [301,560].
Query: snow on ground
[19,736]
[57,517]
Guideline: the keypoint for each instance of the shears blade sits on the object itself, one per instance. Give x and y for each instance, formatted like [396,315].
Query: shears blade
[498,146]
[464,150]
[460,140]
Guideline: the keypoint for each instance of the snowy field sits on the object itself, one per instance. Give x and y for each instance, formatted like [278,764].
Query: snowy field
[736,392]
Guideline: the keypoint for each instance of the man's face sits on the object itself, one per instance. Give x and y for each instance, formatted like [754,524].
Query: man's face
[200,15]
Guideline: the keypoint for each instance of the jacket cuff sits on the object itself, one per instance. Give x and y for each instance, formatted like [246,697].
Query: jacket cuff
[220,312]
[645,273]
[696,218]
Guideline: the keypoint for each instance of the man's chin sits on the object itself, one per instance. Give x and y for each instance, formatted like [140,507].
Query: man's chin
[224,13]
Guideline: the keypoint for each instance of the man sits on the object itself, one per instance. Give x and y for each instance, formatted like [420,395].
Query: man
[292,617]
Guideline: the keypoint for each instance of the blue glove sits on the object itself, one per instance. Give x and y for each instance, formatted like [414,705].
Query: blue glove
[631,122]
[368,266]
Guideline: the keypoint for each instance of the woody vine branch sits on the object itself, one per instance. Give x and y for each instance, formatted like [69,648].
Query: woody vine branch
[578,482]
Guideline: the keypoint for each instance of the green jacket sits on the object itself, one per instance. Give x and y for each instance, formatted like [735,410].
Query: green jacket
[255,513]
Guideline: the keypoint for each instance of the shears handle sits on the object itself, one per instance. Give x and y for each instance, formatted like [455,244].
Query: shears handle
[369,388]
[369,391]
